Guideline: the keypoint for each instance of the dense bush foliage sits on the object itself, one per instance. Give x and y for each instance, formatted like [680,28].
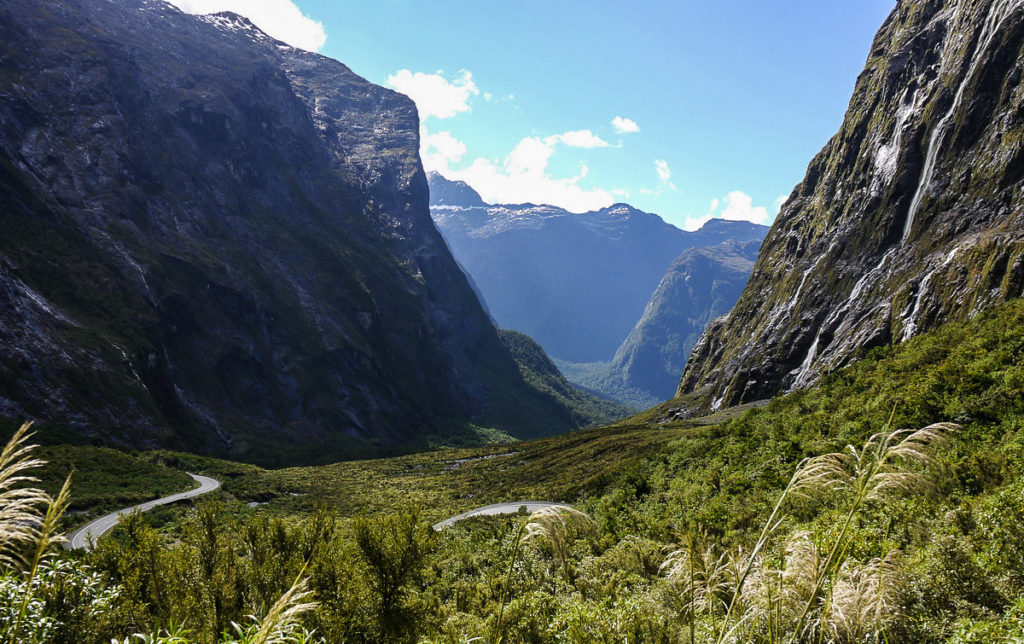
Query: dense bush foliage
[720,536]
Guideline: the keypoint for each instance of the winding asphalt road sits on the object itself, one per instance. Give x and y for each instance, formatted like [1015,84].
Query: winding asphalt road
[79,539]
[497,508]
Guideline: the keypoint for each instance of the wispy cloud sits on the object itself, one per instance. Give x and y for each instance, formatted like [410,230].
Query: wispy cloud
[434,95]
[280,19]
[624,125]
[779,203]
[577,139]
[664,173]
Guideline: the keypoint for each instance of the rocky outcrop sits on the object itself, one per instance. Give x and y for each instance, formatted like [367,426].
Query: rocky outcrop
[212,241]
[700,285]
[912,215]
[576,283]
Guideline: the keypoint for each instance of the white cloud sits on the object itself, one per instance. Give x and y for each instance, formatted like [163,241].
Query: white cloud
[624,125]
[498,183]
[530,156]
[577,139]
[440,150]
[695,223]
[736,206]
[664,172]
[739,206]
[779,203]
[435,95]
[280,19]
[522,177]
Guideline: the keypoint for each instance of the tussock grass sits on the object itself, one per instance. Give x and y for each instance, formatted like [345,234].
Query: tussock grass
[29,535]
[761,523]
[29,520]
[282,621]
[554,527]
[814,593]
[863,603]
[21,507]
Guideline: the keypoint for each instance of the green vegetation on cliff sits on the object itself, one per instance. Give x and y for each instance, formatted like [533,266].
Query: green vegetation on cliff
[541,374]
[910,216]
[251,271]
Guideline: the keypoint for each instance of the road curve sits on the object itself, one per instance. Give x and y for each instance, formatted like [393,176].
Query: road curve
[497,508]
[79,539]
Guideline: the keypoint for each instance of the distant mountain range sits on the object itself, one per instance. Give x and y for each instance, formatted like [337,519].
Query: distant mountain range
[702,284]
[581,284]
[575,283]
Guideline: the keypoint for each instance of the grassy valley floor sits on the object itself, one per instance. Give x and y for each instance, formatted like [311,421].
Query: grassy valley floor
[936,560]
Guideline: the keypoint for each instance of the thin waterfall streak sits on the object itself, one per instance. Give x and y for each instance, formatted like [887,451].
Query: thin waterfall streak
[812,353]
[998,13]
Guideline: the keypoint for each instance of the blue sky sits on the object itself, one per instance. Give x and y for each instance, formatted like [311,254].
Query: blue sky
[730,98]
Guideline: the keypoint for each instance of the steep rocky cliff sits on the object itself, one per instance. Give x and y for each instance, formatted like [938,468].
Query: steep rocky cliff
[912,215]
[700,285]
[212,241]
[575,283]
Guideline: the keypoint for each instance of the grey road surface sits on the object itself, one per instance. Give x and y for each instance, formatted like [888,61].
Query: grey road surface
[79,539]
[496,508]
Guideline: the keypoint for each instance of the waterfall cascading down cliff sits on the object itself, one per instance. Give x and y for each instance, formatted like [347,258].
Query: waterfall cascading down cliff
[912,214]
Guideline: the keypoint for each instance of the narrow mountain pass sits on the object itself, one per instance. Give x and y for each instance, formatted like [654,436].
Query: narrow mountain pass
[79,539]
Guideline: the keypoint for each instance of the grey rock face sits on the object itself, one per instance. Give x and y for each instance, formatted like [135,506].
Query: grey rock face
[212,241]
[700,285]
[452,194]
[576,283]
[911,216]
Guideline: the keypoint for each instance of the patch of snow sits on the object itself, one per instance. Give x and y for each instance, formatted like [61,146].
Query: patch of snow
[237,24]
